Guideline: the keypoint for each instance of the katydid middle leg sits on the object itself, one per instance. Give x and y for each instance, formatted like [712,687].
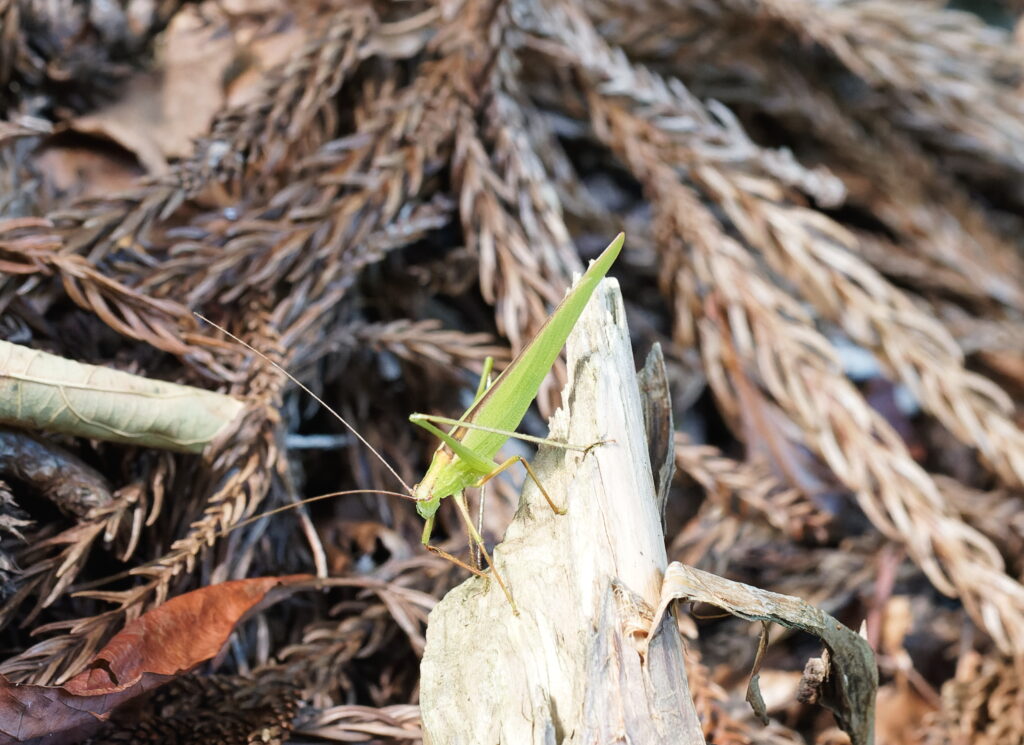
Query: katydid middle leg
[504,466]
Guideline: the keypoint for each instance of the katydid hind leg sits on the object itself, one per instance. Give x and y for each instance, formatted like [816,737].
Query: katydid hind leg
[475,538]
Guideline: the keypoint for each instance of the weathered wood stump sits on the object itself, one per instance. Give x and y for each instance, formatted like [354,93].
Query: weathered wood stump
[568,669]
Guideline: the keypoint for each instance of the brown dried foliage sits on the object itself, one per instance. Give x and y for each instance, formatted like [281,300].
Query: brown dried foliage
[417,173]
[983,704]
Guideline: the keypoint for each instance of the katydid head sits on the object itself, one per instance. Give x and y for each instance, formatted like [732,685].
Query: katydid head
[426,507]
[427,497]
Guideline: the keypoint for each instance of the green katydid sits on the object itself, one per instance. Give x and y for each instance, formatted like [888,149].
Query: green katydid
[465,457]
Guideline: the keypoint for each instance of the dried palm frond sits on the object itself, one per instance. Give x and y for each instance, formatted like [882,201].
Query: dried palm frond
[750,491]
[898,54]
[969,109]
[885,170]
[426,341]
[889,175]
[775,336]
[524,244]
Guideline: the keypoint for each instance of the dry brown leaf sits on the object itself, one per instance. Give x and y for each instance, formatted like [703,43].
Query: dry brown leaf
[900,715]
[169,640]
[200,69]
[85,172]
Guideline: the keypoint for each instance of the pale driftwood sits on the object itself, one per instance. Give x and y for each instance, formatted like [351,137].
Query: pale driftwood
[568,668]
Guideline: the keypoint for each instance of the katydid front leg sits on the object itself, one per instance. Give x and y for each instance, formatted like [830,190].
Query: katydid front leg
[420,419]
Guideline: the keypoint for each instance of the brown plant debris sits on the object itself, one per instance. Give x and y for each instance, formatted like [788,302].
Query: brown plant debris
[170,639]
[982,704]
[847,680]
[823,201]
